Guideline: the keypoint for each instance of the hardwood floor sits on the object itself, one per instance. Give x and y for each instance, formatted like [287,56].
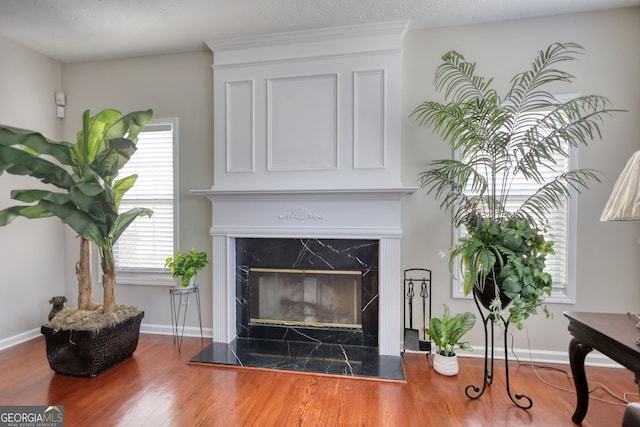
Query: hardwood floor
[157,387]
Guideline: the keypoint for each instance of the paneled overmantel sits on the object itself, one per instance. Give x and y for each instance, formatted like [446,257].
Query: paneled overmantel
[309,109]
[307,145]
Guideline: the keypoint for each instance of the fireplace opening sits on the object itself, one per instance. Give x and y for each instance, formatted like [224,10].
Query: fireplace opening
[306,289]
[301,297]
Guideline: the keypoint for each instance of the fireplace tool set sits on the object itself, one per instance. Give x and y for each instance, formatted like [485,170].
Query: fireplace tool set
[417,286]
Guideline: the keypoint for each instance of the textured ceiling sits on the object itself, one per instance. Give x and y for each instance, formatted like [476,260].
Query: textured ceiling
[83,30]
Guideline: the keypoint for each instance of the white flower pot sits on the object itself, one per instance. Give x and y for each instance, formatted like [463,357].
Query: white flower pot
[192,283]
[445,365]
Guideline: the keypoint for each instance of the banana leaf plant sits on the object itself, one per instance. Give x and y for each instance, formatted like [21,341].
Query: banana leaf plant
[85,191]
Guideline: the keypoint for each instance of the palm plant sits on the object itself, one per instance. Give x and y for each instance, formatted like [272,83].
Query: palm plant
[501,140]
[86,193]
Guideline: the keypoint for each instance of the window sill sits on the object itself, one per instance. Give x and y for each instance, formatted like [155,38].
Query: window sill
[141,278]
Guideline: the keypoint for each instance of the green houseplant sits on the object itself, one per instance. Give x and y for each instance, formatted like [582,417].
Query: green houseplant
[500,138]
[83,190]
[446,333]
[186,265]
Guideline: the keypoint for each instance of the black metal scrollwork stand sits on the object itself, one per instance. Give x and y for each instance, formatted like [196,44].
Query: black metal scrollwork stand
[475,392]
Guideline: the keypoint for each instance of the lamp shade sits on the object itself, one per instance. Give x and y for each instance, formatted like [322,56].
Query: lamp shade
[624,202]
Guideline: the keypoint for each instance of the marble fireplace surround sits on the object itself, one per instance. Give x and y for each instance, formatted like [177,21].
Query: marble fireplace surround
[309,255]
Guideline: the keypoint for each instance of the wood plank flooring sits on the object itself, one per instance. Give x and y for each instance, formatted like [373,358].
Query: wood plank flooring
[157,387]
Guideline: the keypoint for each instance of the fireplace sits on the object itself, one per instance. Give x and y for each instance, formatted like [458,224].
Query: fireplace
[307,164]
[313,290]
[347,229]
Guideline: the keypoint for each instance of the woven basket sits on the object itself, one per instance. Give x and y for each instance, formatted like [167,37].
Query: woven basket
[89,353]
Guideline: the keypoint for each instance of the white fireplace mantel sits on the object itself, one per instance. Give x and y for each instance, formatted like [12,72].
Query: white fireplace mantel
[328,213]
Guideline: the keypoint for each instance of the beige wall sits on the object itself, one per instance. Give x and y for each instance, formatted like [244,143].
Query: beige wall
[181,86]
[173,86]
[608,256]
[31,252]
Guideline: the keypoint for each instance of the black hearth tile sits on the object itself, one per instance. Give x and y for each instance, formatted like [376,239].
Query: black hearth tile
[221,353]
[334,359]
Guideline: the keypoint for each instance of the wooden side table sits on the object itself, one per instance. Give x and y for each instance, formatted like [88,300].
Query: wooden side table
[612,334]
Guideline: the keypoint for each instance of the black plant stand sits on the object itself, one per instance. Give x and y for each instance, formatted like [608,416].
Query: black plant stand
[474,392]
[182,296]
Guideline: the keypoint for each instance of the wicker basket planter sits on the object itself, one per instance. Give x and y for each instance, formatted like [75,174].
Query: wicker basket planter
[88,353]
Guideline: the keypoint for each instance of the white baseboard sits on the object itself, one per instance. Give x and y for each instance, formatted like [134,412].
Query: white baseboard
[594,358]
[19,338]
[189,331]
[523,355]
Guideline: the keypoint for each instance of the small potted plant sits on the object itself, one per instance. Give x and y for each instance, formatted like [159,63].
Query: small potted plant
[187,265]
[446,333]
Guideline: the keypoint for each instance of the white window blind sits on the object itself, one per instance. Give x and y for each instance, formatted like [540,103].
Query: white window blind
[562,226]
[141,251]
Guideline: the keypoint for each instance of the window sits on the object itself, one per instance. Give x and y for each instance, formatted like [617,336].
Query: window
[142,249]
[562,231]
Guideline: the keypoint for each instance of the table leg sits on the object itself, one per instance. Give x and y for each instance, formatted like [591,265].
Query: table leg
[577,353]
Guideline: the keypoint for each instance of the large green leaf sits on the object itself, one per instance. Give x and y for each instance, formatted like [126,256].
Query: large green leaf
[126,218]
[113,158]
[91,138]
[121,186]
[120,143]
[129,125]
[109,142]
[91,205]
[79,221]
[30,196]
[21,162]
[35,141]
[7,215]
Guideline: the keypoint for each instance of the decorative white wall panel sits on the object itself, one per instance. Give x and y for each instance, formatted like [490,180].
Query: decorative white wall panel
[369,113]
[302,123]
[325,109]
[239,108]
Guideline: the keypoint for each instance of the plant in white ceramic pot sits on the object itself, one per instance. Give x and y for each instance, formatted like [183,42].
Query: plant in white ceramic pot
[446,333]
[187,265]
